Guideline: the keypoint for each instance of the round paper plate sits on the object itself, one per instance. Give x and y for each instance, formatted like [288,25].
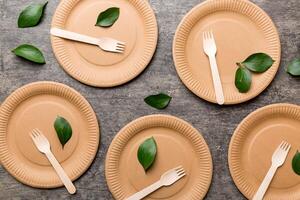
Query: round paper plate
[253,144]
[136,27]
[178,143]
[36,106]
[240,29]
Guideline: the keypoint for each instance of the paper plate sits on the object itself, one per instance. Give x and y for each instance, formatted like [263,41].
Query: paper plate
[36,106]
[240,29]
[178,143]
[136,27]
[253,144]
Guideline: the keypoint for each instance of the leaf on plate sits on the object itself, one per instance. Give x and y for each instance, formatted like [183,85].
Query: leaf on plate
[147,153]
[296,163]
[243,79]
[31,15]
[30,53]
[258,62]
[63,130]
[108,17]
[294,67]
[159,101]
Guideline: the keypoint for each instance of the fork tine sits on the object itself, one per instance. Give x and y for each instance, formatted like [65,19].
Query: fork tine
[34,133]
[279,147]
[284,145]
[209,35]
[121,45]
[212,35]
[177,168]
[182,175]
[289,147]
[120,48]
[37,133]
[32,136]
[118,51]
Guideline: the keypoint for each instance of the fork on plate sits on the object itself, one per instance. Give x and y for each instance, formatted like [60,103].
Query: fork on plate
[43,145]
[105,43]
[210,49]
[278,158]
[167,179]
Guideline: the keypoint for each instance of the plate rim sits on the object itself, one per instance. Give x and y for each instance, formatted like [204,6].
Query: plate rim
[112,178]
[203,94]
[143,61]
[25,90]
[242,186]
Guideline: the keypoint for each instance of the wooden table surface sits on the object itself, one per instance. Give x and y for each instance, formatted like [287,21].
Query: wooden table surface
[118,106]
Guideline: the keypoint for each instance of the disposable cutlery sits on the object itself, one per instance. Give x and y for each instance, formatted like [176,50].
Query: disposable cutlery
[210,49]
[105,43]
[278,158]
[43,145]
[167,179]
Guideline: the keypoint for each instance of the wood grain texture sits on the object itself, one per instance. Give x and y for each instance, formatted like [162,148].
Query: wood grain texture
[118,106]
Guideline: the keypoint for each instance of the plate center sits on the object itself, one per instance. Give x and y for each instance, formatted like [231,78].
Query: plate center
[173,150]
[40,112]
[83,19]
[236,38]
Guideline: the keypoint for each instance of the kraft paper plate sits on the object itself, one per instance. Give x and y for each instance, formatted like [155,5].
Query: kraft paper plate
[89,64]
[36,106]
[178,143]
[253,144]
[240,28]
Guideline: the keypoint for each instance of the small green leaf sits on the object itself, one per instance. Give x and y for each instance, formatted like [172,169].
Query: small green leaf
[294,67]
[243,79]
[108,17]
[31,15]
[30,53]
[160,101]
[258,62]
[63,130]
[147,153]
[296,163]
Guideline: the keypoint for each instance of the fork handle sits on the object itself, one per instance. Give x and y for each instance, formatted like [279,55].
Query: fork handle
[61,173]
[74,36]
[265,184]
[216,80]
[145,192]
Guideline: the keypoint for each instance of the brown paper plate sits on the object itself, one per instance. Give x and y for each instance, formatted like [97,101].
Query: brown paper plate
[240,28]
[89,64]
[253,144]
[36,106]
[178,143]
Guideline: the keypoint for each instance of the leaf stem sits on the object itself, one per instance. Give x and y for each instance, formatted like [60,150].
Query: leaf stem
[240,65]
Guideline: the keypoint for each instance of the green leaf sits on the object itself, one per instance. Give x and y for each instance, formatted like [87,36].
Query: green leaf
[30,53]
[147,153]
[296,163]
[243,79]
[159,101]
[294,67]
[108,17]
[31,15]
[63,130]
[258,62]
